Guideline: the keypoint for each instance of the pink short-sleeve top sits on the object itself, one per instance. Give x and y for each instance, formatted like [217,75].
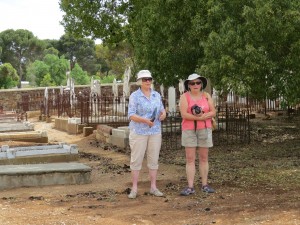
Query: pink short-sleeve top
[203,103]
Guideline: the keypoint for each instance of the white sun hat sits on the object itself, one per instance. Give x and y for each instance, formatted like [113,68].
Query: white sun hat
[143,74]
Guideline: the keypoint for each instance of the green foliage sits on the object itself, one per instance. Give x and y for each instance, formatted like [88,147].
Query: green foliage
[80,76]
[8,76]
[115,58]
[97,19]
[51,50]
[78,50]
[164,40]
[19,48]
[36,72]
[53,65]
[57,68]
[251,47]
[107,79]
[47,81]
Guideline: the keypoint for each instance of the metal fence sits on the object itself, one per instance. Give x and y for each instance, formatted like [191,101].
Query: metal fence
[233,127]
[254,105]
[110,110]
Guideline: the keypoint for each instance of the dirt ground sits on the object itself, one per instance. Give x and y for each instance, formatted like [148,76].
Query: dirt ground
[255,184]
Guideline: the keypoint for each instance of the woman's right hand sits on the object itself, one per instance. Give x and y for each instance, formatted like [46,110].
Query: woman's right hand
[149,122]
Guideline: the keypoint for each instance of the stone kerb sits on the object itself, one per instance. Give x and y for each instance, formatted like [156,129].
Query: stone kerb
[61,124]
[120,137]
[69,125]
[28,175]
[116,136]
[31,136]
[16,126]
[41,165]
[15,152]
[72,127]
[103,133]
[74,120]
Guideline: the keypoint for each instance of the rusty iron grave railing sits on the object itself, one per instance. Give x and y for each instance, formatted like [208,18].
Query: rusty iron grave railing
[233,126]
[171,132]
[109,110]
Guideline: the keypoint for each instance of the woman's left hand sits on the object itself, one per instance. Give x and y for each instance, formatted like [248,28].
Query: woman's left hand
[206,116]
[162,116]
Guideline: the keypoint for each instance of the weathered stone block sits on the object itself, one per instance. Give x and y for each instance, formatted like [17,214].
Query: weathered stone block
[119,141]
[87,131]
[105,129]
[13,176]
[72,128]
[119,133]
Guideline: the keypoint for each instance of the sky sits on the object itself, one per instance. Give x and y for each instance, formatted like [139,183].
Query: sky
[41,17]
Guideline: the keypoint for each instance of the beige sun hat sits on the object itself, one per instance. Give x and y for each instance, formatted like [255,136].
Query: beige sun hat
[195,76]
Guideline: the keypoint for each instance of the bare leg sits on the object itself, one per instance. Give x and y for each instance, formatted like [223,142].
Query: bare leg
[190,153]
[135,177]
[203,164]
[153,175]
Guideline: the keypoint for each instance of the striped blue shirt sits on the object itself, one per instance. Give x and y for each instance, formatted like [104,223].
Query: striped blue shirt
[140,105]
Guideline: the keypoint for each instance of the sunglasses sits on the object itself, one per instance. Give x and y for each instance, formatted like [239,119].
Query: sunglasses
[146,79]
[193,83]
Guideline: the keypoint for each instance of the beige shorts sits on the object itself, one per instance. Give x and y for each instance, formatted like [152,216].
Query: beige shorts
[199,138]
[139,145]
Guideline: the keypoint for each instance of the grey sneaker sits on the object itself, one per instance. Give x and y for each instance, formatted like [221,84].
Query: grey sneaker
[132,195]
[156,193]
[187,191]
[207,189]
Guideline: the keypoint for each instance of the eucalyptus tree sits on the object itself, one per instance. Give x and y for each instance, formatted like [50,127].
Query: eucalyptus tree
[51,69]
[95,18]
[78,50]
[80,76]
[159,31]
[163,38]
[36,72]
[106,20]
[19,48]
[252,46]
[246,46]
[58,66]
[114,58]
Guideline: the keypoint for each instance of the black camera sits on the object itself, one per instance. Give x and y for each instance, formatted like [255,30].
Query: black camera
[196,109]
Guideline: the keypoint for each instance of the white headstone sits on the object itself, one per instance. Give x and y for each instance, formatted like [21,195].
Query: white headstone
[115,88]
[126,88]
[172,99]
[181,86]
[61,90]
[46,100]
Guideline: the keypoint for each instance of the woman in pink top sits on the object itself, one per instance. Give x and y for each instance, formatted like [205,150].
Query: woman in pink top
[197,110]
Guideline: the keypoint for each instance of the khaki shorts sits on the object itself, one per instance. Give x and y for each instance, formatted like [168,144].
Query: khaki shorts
[141,145]
[200,138]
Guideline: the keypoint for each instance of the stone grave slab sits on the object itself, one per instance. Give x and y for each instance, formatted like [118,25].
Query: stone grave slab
[14,126]
[14,176]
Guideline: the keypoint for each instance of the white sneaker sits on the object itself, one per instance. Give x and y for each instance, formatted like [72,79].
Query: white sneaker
[156,193]
[132,195]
